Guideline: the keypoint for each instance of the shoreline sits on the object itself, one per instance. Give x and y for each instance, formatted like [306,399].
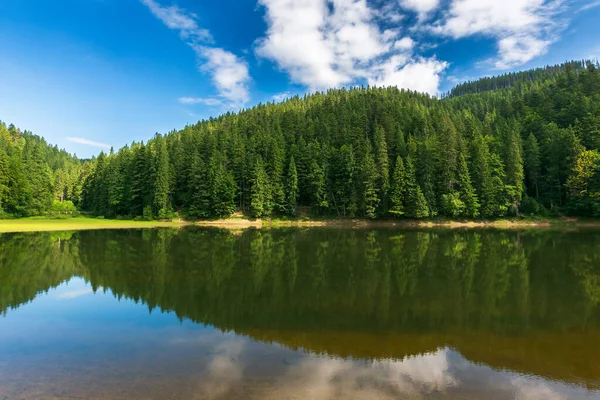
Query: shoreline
[357,223]
[37,224]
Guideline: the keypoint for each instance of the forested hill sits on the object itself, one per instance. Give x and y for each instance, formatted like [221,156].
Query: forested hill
[35,177]
[531,147]
[516,78]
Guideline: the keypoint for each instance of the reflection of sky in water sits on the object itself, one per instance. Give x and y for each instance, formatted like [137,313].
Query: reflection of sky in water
[73,343]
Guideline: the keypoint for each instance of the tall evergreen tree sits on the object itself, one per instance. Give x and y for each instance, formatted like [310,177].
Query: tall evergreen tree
[292,189]
[398,189]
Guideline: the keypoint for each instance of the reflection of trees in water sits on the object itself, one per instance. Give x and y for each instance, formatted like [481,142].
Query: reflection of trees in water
[32,263]
[362,293]
[355,279]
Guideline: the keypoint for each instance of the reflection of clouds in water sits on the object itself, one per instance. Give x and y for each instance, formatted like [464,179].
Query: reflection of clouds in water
[230,370]
[320,377]
[73,294]
[74,288]
[533,389]
[224,371]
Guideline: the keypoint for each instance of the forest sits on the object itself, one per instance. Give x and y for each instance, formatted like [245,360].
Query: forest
[524,143]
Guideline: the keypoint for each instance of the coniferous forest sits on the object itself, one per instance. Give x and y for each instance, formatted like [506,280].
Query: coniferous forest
[519,144]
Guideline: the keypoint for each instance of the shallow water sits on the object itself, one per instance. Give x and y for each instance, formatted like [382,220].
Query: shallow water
[300,314]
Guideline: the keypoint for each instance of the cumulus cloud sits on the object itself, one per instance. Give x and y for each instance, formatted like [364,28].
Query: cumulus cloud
[524,28]
[331,43]
[229,73]
[88,142]
[405,44]
[420,6]
[422,75]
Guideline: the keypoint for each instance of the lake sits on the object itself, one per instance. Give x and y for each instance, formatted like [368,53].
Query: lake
[300,314]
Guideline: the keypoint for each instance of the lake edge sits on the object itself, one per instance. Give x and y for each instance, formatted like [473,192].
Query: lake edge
[85,223]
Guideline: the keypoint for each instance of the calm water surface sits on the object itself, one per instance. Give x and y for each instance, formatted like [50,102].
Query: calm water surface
[300,314]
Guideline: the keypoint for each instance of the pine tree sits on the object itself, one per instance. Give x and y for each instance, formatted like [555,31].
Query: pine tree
[416,204]
[4,179]
[532,162]
[224,190]
[200,188]
[382,162]
[260,199]
[291,188]
[398,189]
[482,176]
[369,191]
[162,204]
[316,182]
[514,166]
[466,192]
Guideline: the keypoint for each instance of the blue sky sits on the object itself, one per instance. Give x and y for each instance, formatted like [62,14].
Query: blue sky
[87,74]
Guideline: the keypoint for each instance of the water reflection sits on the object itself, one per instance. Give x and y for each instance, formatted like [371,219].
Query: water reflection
[300,314]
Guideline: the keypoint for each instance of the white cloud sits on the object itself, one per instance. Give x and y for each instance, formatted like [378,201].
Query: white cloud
[177,19]
[281,96]
[405,43]
[88,142]
[420,6]
[331,43]
[229,73]
[207,101]
[589,6]
[422,75]
[518,49]
[524,28]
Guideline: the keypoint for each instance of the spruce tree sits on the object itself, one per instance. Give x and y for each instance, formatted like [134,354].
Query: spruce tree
[291,188]
[466,192]
[382,162]
[162,203]
[369,176]
[260,198]
[532,163]
[416,204]
[398,189]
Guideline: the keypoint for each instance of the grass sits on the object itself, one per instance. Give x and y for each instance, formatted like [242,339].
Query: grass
[40,224]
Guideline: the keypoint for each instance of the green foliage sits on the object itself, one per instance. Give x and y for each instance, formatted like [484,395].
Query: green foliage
[147,215]
[584,184]
[452,205]
[66,206]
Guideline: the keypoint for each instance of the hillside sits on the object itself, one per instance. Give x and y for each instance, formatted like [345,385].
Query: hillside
[520,143]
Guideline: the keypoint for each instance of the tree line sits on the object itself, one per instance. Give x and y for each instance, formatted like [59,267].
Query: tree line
[525,143]
[35,177]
